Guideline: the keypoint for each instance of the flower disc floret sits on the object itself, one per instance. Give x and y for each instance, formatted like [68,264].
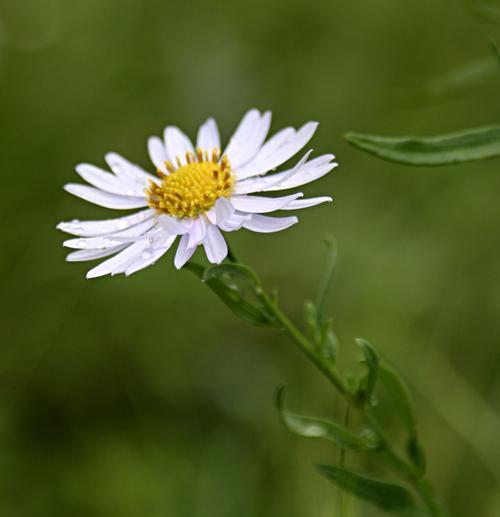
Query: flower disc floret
[193,188]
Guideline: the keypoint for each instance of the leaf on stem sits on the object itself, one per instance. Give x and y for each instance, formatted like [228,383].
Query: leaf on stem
[366,389]
[389,497]
[329,341]
[312,322]
[401,395]
[312,427]
[447,149]
[236,272]
[219,280]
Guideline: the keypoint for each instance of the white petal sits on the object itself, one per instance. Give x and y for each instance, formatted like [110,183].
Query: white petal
[108,182]
[197,232]
[223,210]
[215,245]
[106,199]
[280,155]
[149,257]
[306,203]
[96,228]
[290,172]
[174,226]
[235,222]
[308,172]
[82,255]
[158,153]
[208,136]
[184,253]
[211,215]
[248,138]
[261,205]
[177,144]
[120,261]
[281,138]
[125,169]
[112,239]
[265,224]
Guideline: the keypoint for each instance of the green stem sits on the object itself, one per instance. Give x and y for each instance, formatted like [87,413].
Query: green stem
[303,343]
[421,487]
[398,465]
[406,471]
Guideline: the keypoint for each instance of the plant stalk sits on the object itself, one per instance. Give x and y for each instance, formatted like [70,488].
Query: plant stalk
[398,465]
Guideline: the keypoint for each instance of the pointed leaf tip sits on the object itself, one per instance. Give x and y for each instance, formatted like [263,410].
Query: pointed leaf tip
[385,495]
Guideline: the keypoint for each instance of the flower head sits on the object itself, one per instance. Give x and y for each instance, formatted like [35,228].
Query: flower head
[196,193]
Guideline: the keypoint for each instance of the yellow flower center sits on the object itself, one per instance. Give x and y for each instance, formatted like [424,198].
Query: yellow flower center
[191,189]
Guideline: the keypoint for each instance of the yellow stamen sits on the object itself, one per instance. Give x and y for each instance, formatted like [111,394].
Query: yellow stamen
[193,188]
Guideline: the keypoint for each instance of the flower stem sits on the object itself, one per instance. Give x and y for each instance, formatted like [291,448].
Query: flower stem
[310,349]
[398,465]
[303,343]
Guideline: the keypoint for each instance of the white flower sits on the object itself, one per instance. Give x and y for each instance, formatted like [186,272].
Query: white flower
[198,192]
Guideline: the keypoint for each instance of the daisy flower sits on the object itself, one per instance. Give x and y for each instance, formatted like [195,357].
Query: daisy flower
[197,194]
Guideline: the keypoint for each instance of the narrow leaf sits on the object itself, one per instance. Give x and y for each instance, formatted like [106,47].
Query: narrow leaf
[463,146]
[311,427]
[400,393]
[367,387]
[312,321]
[234,271]
[387,496]
[329,342]
[232,297]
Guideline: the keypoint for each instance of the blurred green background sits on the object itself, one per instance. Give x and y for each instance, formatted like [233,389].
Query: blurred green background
[144,396]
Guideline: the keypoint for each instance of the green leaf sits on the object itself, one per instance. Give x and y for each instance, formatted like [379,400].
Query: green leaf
[329,342]
[463,146]
[387,496]
[236,271]
[400,393]
[367,387]
[231,295]
[416,454]
[312,321]
[311,427]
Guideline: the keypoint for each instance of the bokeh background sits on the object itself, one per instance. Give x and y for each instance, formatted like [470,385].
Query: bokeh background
[144,396]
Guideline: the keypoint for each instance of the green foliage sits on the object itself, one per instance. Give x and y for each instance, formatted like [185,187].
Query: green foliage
[234,272]
[459,147]
[312,427]
[404,408]
[389,497]
[228,282]
[366,390]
